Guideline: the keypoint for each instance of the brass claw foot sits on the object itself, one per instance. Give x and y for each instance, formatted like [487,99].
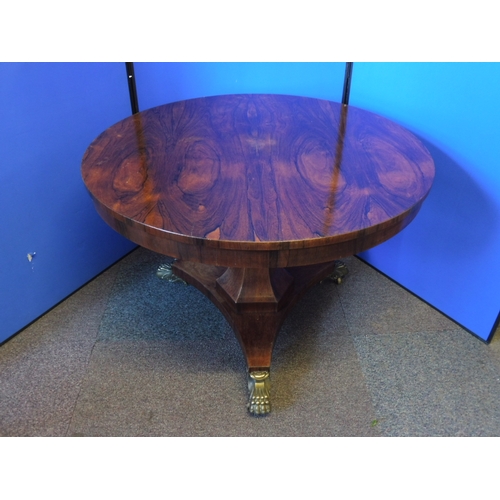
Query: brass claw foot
[165,272]
[339,272]
[259,387]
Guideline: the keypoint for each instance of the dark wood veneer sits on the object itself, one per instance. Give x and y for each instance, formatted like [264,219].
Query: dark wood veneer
[257,173]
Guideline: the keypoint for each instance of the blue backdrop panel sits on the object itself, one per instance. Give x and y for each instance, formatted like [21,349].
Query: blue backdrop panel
[450,255]
[49,114]
[159,83]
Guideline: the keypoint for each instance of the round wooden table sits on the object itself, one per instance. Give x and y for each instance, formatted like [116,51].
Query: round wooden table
[257,196]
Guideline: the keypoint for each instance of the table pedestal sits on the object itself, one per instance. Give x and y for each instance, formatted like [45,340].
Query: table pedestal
[255,303]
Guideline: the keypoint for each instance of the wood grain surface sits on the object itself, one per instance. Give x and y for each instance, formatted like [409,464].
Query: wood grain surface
[257,180]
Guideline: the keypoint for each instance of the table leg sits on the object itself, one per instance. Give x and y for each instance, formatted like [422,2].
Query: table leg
[255,302]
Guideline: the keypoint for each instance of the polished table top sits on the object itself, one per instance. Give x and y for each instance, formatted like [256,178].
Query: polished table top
[257,180]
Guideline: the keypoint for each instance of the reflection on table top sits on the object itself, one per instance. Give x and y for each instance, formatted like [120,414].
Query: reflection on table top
[258,169]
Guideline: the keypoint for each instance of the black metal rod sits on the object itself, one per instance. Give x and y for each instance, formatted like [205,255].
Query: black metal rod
[347,82]
[134,103]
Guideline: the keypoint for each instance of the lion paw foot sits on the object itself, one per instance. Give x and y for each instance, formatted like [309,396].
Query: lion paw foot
[259,387]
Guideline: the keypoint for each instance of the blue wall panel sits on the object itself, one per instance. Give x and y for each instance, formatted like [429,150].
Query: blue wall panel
[159,83]
[450,255]
[49,114]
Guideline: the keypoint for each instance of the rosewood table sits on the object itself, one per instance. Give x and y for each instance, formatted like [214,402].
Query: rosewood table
[256,197]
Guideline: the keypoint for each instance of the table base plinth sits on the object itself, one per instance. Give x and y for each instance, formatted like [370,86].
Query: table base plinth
[255,302]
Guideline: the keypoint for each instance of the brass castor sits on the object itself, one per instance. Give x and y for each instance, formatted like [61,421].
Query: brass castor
[339,272]
[165,272]
[259,387]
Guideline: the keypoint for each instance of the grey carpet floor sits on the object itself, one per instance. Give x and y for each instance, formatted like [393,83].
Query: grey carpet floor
[131,355]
